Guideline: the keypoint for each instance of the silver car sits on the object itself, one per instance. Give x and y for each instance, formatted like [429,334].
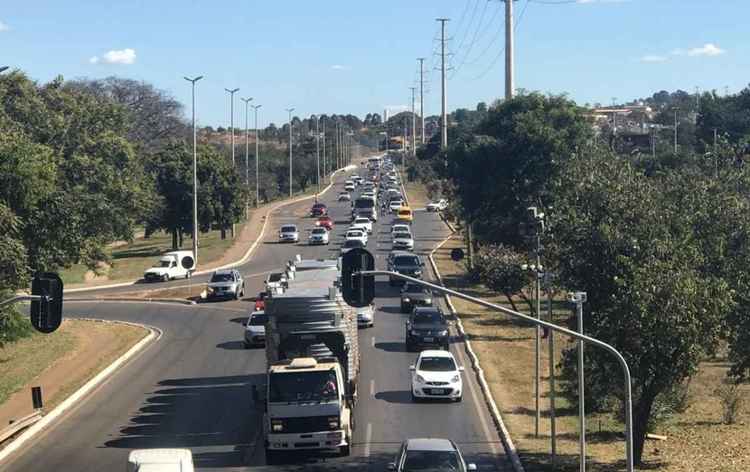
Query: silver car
[433,454]
[403,240]
[226,283]
[288,234]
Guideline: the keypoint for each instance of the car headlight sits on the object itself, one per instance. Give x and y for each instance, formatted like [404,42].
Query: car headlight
[210,289]
[333,422]
[277,426]
[417,272]
[407,300]
[420,379]
[428,300]
[413,332]
[443,333]
[456,378]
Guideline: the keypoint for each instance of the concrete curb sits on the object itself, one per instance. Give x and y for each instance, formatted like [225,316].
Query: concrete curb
[247,254]
[180,301]
[68,403]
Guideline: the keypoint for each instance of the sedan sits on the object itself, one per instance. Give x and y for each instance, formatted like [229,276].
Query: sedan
[227,283]
[403,240]
[363,221]
[255,329]
[357,233]
[436,375]
[430,454]
[345,197]
[366,316]
[318,235]
[400,227]
[349,186]
[326,222]
[319,209]
[351,244]
[288,234]
[395,204]
[439,205]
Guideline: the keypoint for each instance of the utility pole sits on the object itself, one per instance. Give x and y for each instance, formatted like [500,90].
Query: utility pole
[336,144]
[231,117]
[257,157]
[675,129]
[579,298]
[444,100]
[325,167]
[403,150]
[509,65]
[421,97]
[317,146]
[195,173]
[247,148]
[290,110]
[551,360]
[413,124]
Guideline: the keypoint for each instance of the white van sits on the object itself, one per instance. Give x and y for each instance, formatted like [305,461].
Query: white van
[160,460]
[171,265]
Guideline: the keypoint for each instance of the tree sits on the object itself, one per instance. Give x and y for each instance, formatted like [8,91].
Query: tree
[634,251]
[500,269]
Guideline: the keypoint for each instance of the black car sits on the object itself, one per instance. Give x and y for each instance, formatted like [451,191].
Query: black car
[406,263]
[427,326]
[413,295]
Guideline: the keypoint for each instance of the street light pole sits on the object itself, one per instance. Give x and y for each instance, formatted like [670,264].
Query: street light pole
[231,116]
[317,147]
[290,110]
[257,157]
[195,172]
[247,149]
[325,167]
[675,129]
[579,298]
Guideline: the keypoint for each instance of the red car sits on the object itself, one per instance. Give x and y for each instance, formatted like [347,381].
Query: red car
[319,209]
[260,302]
[326,222]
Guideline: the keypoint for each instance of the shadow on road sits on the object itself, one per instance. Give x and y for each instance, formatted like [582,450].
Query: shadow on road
[391,346]
[394,396]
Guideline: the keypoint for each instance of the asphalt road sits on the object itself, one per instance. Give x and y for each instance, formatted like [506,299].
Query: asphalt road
[192,388]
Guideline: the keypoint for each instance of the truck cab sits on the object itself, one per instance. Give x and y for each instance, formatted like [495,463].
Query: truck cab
[308,407]
[171,265]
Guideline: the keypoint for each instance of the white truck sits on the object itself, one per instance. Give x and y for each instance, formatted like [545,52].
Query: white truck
[160,460]
[171,265]
[312,353]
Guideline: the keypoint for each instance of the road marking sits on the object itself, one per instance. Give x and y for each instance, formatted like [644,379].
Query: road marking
[372,388]
[368,438]
[372,341]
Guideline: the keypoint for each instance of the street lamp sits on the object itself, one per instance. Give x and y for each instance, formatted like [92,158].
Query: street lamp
[317,146]
[290,110]
[195,173]
[257,156]
[247,147]
[231,116]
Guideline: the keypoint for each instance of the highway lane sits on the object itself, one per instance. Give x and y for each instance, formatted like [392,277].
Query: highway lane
[192,388]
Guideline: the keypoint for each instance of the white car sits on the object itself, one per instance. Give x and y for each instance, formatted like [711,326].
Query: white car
[345,197]
[362,221]
[439,205]
[351,244]
[358,234]
[436,375]
[288,234]
[349,186]
[399,228]
[395,205]
[366,316]
[403,240]
[160,459]
[255,329]
[318,235]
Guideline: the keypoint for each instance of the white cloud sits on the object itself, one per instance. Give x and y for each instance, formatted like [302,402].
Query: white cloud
[115,56]
[708,49]
[4,27]
[340,67]
[652,58]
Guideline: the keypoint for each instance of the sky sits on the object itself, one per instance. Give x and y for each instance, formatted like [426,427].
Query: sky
[333,56]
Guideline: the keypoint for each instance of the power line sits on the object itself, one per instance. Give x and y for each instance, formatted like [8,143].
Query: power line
[474,39]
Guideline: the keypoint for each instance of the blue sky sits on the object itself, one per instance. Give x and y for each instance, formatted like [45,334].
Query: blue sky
[356,57]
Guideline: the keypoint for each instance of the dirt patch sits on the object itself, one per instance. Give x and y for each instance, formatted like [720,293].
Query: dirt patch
[696,439]
[60,362]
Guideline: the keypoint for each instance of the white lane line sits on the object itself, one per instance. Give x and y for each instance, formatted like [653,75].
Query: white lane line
[372,341]
[372,388]
[368,439]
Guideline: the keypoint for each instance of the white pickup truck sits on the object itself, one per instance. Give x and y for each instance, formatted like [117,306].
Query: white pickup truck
[171,265]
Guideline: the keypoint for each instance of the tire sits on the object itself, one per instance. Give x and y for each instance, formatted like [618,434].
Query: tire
[458,400]
[272,457]
[165,278]
[403,308]
[415,398]
[247,345]
[187,275]
[345,451]
[409,347]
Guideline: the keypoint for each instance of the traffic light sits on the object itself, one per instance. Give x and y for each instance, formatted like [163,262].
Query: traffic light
[46,314]
[358,290]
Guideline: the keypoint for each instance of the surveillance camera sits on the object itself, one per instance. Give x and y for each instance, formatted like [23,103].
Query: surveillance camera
[577,297]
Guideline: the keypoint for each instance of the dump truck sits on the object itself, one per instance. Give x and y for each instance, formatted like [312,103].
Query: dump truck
[312,353]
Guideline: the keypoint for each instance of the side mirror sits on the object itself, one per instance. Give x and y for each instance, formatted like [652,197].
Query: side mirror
[461,369]
[392,466]
[412,367]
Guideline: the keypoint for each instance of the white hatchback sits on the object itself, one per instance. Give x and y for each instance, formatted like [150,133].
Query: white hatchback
[436,375]
[363,221]
[359,234]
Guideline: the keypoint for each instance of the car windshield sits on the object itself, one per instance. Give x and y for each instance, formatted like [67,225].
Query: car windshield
[406,260]
[319,231]
[414,288]
[274,277]
[431,461]
[302,386]
[362,221]
[222,278]
[428,317]
[354,234]
[353,243]
[162,264]
[364,203]
[437,364]
[288,229]
[258,320]
[401,235]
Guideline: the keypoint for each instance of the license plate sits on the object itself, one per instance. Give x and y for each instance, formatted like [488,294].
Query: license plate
[429,340]
[438,391]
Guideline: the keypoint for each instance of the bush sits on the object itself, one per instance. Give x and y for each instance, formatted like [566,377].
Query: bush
[13,326]
[730,395]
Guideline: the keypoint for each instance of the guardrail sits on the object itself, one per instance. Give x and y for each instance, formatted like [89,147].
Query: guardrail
[23,423]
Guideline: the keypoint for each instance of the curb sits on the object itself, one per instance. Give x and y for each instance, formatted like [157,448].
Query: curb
[154,333]
[247,254]
[180,301]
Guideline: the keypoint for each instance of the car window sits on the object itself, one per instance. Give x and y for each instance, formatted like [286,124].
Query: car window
[429,317]
[288,229]
[401,234]
[353,243]
[414,288]
[406,260]
[319,231]
[222,278]
[258,320]
[437,364]
[274,277]
[433,461]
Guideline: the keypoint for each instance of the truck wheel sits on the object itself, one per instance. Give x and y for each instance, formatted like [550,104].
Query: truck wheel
[165,278]
[272,457]
[187,275]
[345,451]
